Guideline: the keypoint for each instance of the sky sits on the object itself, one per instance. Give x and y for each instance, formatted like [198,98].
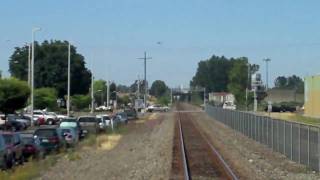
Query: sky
[113,34]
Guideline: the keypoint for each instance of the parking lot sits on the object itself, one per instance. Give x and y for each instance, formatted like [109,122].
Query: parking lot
[23,140]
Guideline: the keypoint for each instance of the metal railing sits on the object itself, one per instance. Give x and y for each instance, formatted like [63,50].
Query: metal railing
[299,142]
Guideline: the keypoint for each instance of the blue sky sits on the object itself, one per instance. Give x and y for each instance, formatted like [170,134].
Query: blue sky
[112,34]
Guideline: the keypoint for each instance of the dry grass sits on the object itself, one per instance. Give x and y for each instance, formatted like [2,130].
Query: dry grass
[295,117]
[29,170]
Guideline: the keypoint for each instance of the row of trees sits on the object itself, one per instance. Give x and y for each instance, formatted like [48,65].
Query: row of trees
[221,74]
[291,82]
[51,67]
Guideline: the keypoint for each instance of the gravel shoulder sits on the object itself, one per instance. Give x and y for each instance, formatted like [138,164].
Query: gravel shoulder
[142,151]
[249,159]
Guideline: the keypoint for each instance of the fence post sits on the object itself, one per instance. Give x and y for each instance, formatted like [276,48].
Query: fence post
[308,146]
[318,149]
[284,137]
[272,133]
[299,142]
[267,131]
[278,136]
[291,148]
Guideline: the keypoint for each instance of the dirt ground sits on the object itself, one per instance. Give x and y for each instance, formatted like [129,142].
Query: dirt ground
[249,159]
[143,151]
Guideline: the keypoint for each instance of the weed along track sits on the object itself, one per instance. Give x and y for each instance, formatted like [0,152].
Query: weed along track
[193,155]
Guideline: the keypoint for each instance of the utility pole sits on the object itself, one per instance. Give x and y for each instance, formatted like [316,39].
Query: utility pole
[171,98]
[108,93]
[204,98]
[92,97]
[32,73]
[69,75]
[267,60]
[29,64]
[248,84]
[145,58]
[138,93]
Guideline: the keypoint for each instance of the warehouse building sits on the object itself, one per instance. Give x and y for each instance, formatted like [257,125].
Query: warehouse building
[312,96]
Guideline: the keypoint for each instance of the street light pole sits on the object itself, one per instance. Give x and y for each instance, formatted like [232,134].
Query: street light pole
[69,75]
[267,71]
[92,97]
[32,74]
[29,64]
[248,84]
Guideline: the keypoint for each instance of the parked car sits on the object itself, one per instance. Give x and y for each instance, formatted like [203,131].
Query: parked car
[60,117]
[13,124]
[32,147]
[157,108]
[123,117]
[50,119]
[131,114]
[50,138]
[70,136]
[72,123]
[89,124]
[229,105]
[15,145]
[6,156]
[26,120]
[104,122]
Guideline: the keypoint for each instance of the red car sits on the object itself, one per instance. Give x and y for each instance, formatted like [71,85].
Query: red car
[15,145]
[32,147]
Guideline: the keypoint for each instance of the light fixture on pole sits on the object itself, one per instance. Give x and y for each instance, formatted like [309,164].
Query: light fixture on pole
[32,73]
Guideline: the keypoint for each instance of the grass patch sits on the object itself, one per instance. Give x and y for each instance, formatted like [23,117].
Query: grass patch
[295,118]
[89,141]
[29,170]
[73,155]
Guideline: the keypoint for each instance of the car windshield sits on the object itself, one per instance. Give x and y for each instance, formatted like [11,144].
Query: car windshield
[106,118]
[37,113]
[87,119]
[7,138]
[27,140]
[68,124]
[65,131]
[45,132]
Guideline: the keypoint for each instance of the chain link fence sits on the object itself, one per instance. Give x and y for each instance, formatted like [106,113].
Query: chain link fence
[299,142]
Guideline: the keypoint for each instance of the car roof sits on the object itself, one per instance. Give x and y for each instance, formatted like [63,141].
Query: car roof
[8,132]
[69,120]
[48,127]
[86,117]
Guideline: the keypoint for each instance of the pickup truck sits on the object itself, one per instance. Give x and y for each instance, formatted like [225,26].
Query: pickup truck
[89,124]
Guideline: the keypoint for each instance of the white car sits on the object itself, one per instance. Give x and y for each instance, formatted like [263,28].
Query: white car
[59,116]
[49,118]
[104,108]
[105,121]
[158,108]
[229,105]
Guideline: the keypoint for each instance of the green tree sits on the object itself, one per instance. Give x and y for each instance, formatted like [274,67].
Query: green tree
[158,88]
[124,100]
[45,98]
[100,91]
[113,89]
[13,95]
[51,67]
[291,82]
[80,102]
[238,80]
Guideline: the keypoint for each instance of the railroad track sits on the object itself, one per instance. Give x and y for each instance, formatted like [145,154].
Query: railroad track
[194,156]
